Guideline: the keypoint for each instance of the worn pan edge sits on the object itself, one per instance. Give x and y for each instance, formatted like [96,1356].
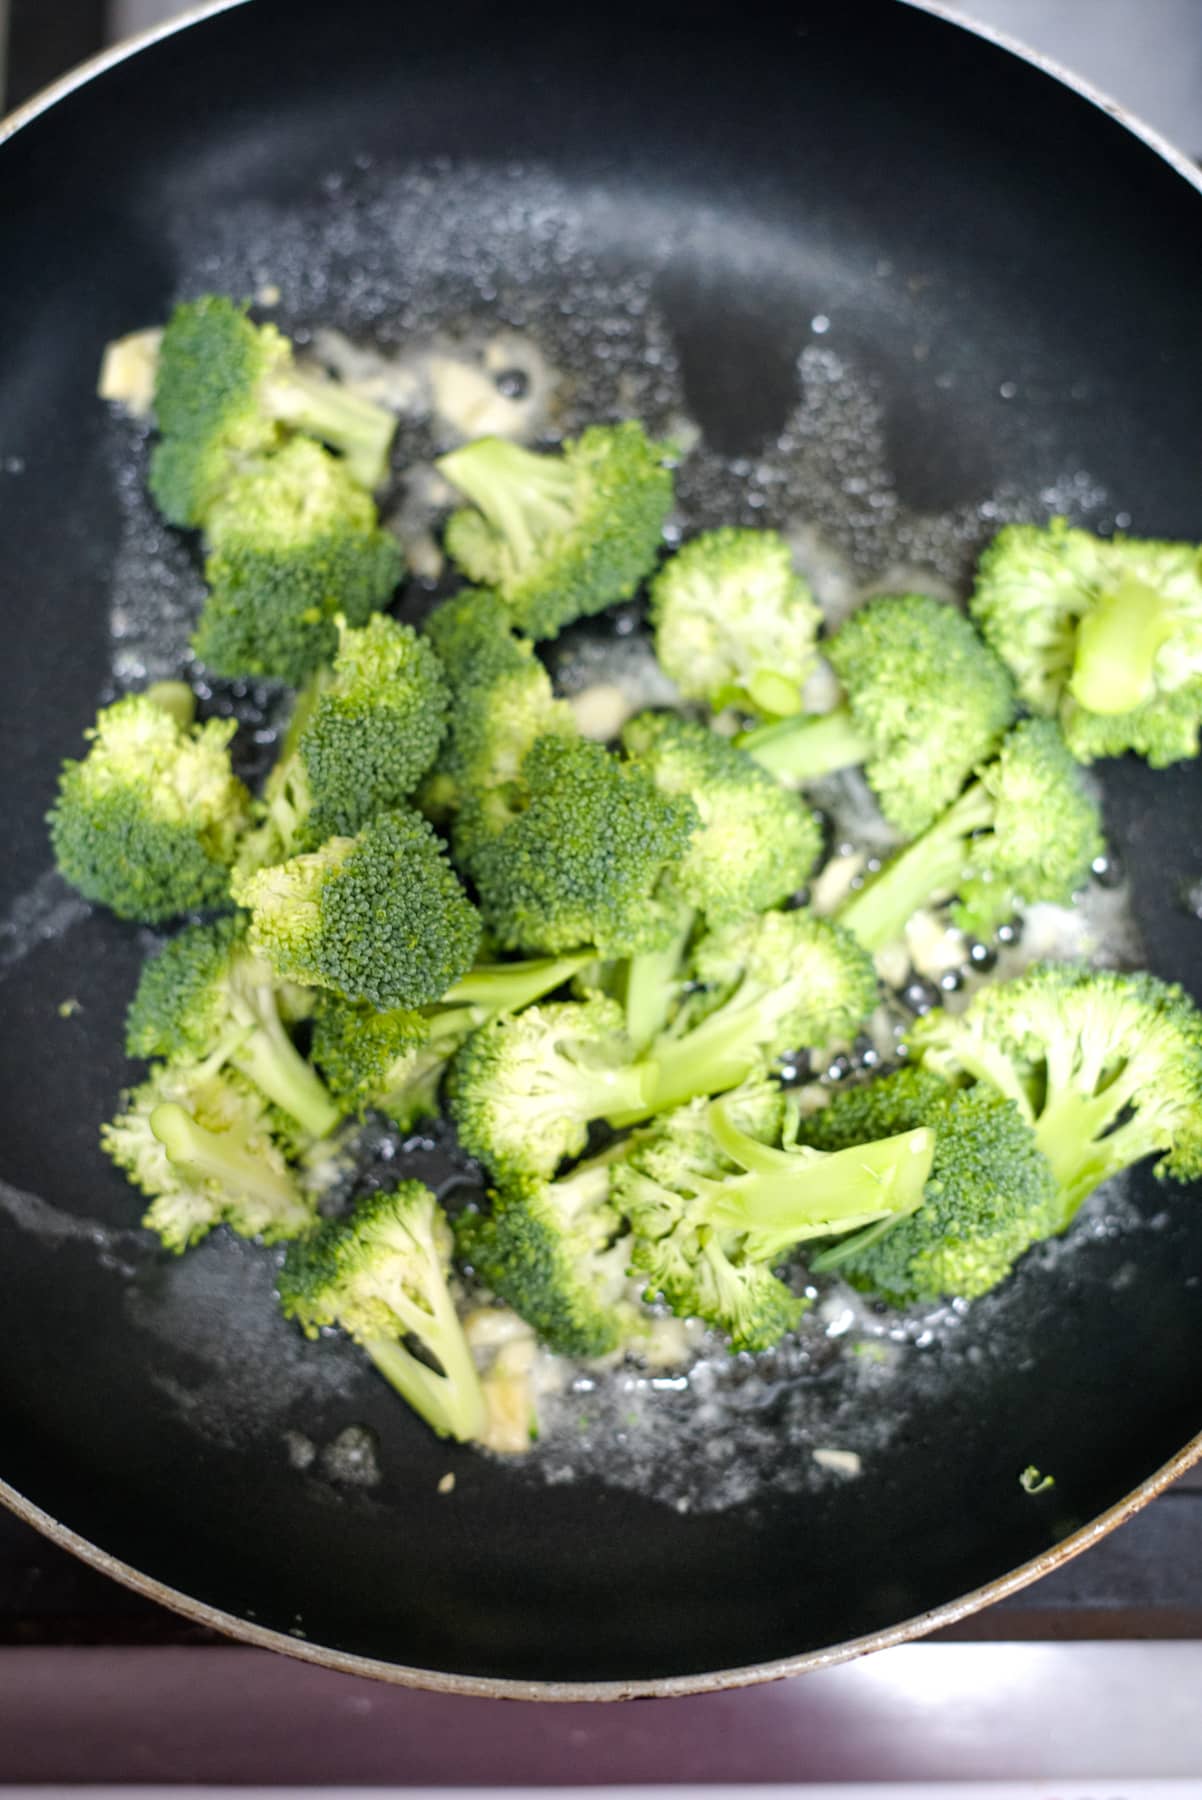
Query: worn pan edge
[664,1687]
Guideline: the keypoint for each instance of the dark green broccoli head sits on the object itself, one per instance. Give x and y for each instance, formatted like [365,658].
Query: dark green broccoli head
[756,842]
[559,535]
[148,823]
[990,1195]
[226,390]
[734,622]
[556,1252]
[381,1273]
[359,1049]
[294,542]
[594,858]
[379,917]
[526,1086]
[1106,633]
[1107,1067]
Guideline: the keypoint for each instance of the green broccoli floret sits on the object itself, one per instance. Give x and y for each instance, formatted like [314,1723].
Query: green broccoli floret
[713,1208]
[924,702]
[734,622]
[1104,633]
[205,999]
[990,1196]
[382,1274]
[502,703]
[557,1252]
[1025,830]
[148,822]
[755,844]
[394,1061]
[559,535]
[1107,1067]
[784,981]
[593,859]
[526,1086]
[379,917]
[293,544]
[198,1142]
[227,390]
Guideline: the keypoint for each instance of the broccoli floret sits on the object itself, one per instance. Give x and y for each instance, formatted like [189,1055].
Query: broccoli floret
[557,1252]
[593,858]
[148,822]
[925,701]
[784,981]
[395,1060]
[382,1274]
[1106,633]
[198,1142]
[293,543]
[755,844]
[1107,1067]
[559,535]
[734,622]
[227,390]
[205,999]
[526,1086]
[713,1208]
[1025,830]
[379,917]
[990,1196]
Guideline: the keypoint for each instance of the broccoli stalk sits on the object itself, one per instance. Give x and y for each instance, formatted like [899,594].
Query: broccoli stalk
[806,749]
[1118,643]
[1026,830]
[221,1158]
[382,1274]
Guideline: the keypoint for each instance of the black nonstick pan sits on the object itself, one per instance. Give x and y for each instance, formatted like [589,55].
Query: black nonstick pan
[905,283]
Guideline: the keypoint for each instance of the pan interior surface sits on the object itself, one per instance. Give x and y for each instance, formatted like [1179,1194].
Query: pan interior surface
[903,286]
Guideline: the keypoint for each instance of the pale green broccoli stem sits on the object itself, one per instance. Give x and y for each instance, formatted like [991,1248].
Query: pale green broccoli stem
[174,698]
[1073,1129]
[650,986]
[213,1156]
[524,496]
[929,869]
[801,750]
[719,1053]
[451,1402]
[508,987]
[1118,641]
[270,1059]
[773,695]
[325,409]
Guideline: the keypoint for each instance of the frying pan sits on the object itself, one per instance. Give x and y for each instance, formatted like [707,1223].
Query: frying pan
[979,286]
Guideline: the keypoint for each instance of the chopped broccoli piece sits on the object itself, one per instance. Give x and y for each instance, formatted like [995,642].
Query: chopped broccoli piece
[1106,633]
[382,1274]
[205,999]
[198,1142]
[293,544]
[379,917]
[593,859]
[1026,830]
[734,622]
[784,981]
[559,535]
[526,1086]
[1107,1068]
[925,702]
[557,1252]
[227,390]
[713,1208]
[756,843]
[990,1196]
[148,822]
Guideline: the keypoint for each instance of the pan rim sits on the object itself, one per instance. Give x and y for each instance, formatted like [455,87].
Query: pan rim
[489,1687]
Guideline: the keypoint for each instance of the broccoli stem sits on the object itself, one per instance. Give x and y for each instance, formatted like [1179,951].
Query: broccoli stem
[507,987]
[802,749]
[174,698]
[773,694]
[325,409]
[1074,1131]
[927,870]
[650,987]
[269,1058]
[449,1398]
[212,1156]
[1118,641]
[522,494]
